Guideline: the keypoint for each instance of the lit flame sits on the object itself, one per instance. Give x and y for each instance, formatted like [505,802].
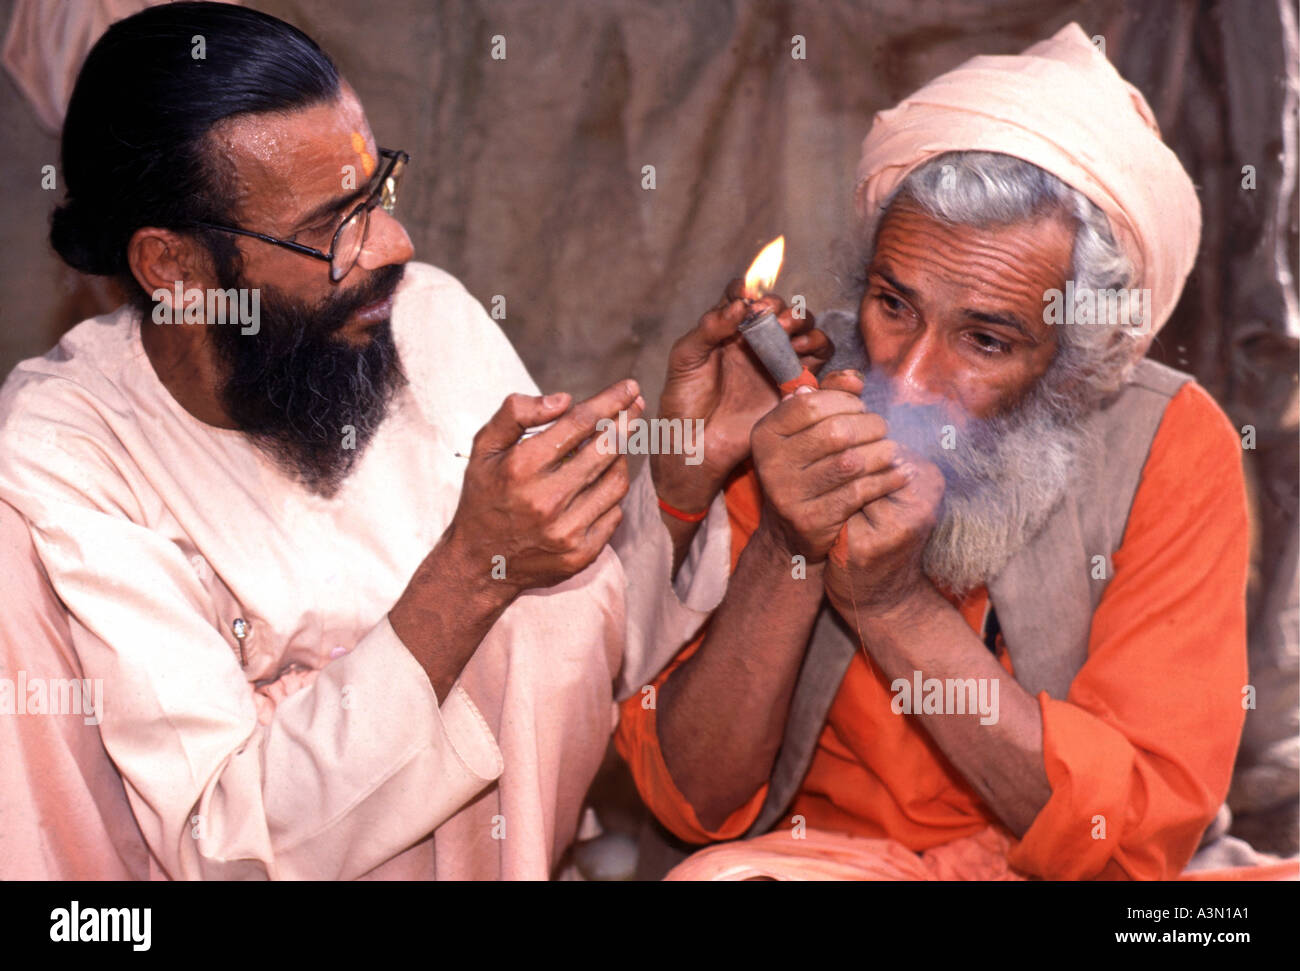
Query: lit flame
[762,273]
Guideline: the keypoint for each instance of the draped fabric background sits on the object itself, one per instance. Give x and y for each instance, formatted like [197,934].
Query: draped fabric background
[528,184]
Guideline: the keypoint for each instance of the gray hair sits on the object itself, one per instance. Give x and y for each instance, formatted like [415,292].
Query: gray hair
[988,188]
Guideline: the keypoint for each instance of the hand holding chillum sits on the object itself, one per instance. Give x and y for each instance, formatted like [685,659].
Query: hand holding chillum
[822,457]
[713,375]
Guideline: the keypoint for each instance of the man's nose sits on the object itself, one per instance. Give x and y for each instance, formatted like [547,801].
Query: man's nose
[386,242]
[919,376]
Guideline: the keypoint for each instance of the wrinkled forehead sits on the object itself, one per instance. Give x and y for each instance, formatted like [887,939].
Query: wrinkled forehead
[1037,248]
[282,165]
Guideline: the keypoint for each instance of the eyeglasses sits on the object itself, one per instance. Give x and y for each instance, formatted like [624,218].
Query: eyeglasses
[350,237]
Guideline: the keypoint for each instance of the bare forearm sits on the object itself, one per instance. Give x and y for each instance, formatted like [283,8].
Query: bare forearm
[688,492]
[681,533]
[722,714]
[446,611]
[1003,759]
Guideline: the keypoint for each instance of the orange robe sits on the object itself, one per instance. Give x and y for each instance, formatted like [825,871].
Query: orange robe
[1146,738]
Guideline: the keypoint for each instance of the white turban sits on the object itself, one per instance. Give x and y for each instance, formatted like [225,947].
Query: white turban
[1063,107]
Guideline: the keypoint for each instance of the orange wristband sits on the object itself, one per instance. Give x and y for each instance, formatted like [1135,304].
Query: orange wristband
[686,517]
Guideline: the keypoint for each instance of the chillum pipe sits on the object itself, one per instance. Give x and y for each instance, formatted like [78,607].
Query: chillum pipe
[770,343]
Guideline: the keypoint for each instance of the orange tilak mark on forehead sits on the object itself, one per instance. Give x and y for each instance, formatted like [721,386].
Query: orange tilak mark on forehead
[359,146]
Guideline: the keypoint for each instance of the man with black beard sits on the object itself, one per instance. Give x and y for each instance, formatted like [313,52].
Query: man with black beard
[344,575]
[987,620]
[294,386]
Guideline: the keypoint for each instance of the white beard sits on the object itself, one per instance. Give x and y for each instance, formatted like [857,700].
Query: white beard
[1003,477]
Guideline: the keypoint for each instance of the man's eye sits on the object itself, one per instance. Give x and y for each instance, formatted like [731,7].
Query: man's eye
[314,233]
[891,303]
[990,345]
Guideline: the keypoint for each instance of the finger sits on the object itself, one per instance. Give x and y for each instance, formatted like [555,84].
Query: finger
[601,531]
[917,503]
[735,290]
[721,324]
[593,502]
[837,434]
[832,471]
[794,325]
[801,411]
[769,303]
[517,414]
[592,459]
[927,482]
[580,422]
[849,380]
[857,495]
[813,343]
[693,348]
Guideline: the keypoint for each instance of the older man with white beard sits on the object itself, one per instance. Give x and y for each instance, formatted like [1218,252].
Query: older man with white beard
[986,616]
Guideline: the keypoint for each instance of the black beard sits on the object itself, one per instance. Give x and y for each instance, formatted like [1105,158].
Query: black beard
[303,395]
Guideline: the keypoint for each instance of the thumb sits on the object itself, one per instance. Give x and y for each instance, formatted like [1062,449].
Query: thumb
[517,414]
[694,348]
[847,380]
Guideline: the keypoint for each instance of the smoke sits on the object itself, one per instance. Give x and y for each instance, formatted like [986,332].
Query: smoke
[1003,474]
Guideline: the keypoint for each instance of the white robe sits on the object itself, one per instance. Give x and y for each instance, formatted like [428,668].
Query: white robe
[328,756]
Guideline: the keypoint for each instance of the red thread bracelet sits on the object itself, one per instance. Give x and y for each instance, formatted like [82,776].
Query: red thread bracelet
[686,517]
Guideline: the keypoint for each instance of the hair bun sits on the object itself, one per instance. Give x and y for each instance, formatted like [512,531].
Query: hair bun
[80,241]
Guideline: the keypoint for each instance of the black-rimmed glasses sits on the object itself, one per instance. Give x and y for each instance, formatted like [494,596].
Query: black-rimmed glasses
[350,237]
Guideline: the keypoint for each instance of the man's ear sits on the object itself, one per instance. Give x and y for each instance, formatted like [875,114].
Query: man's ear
[160,257]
